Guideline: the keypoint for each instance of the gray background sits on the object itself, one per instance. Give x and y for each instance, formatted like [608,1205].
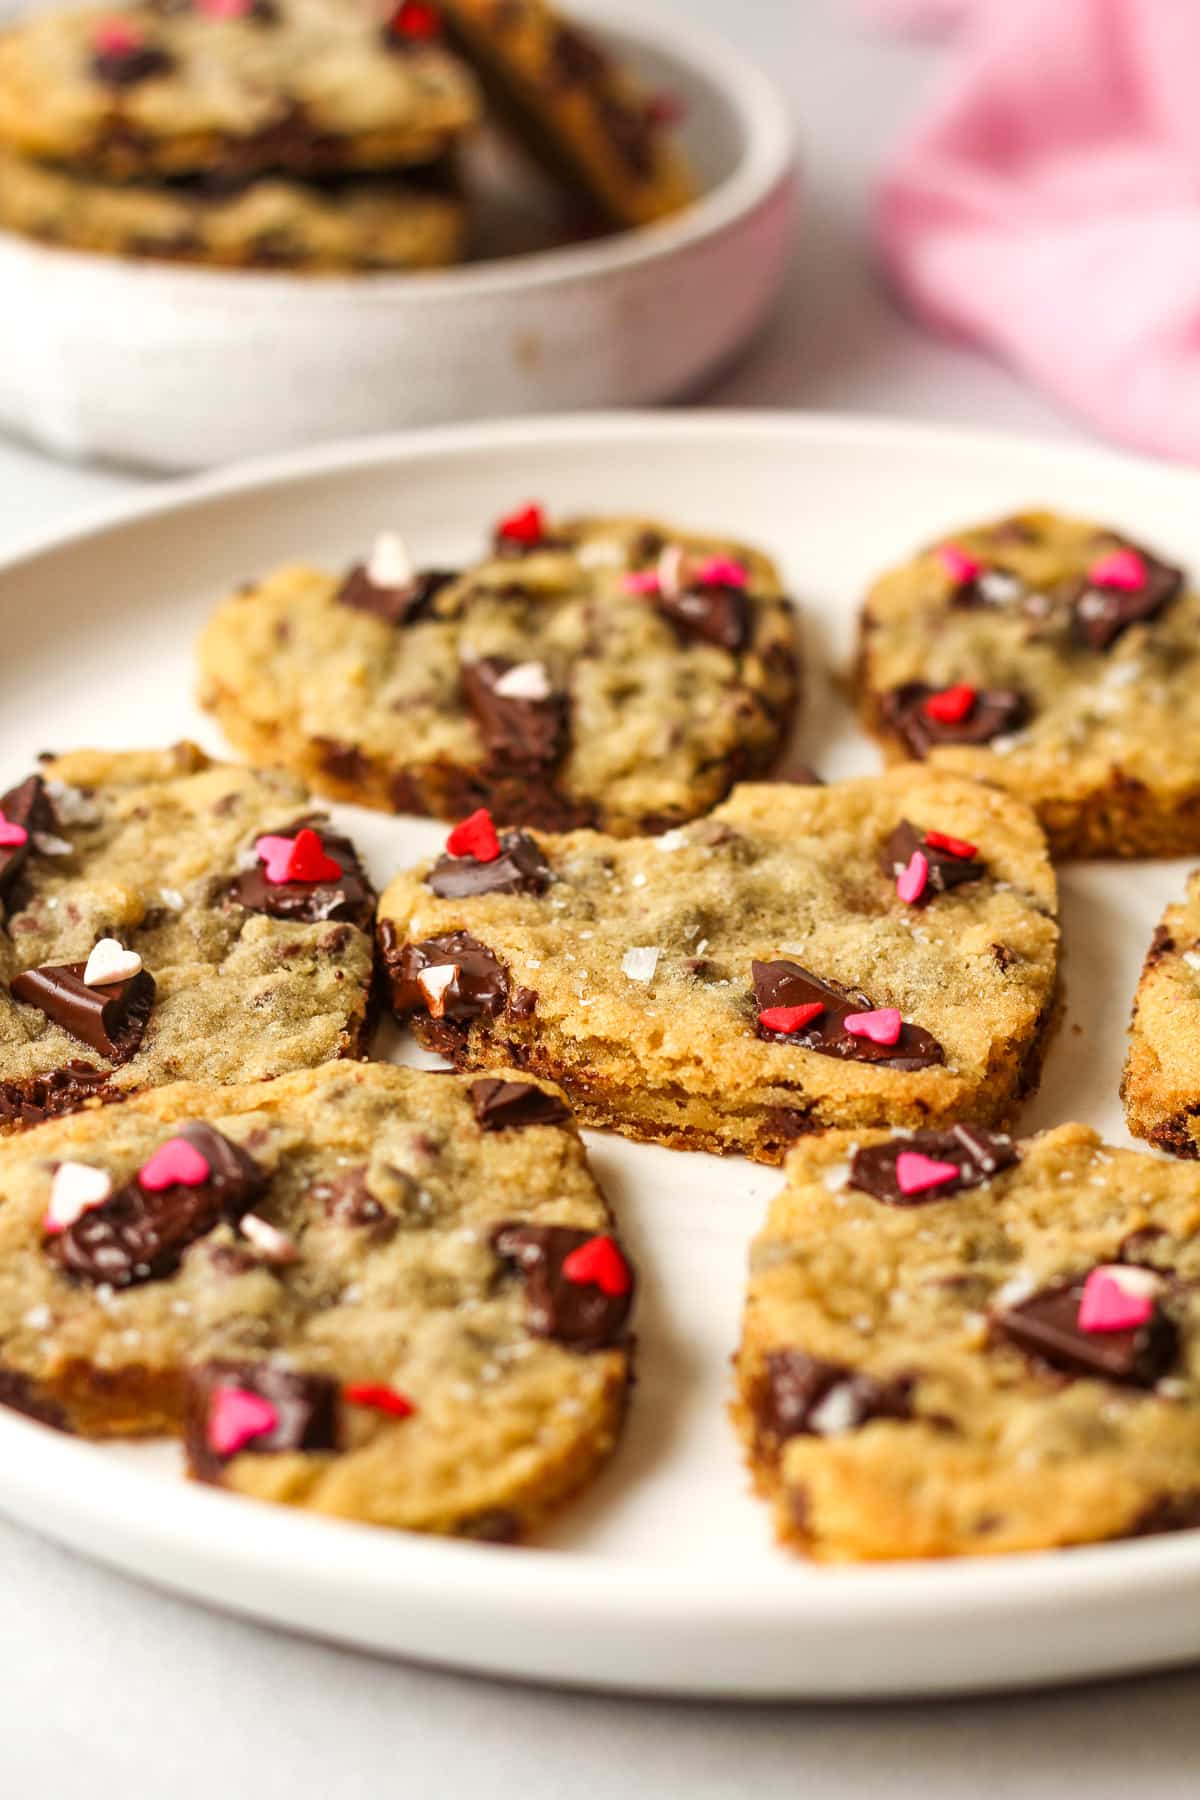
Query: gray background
[110,1690]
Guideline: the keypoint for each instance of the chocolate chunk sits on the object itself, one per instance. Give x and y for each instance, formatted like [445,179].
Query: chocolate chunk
[995,711]
[351,896]
[787,984]
[40,1097]
[1170,1512]
[125,67]
[348,1199]
[518,734]
[137,1235]
[576,58]
[977,1154]
[520,868]
[500,1104]
[479,987]
[1100,615]
[1046,1327]
[719,615]
[395,606]
[306,1411]
[631,130]
[28,805]
[577,1313]
[345,762]
[946,870]
[522,1003]
[803,1396]
[111,1020]
[20,1393]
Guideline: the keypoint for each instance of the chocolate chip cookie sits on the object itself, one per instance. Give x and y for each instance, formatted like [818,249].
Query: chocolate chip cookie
[1055,658]
[368,1291]
[1161,1089]
[230,87]
[875,952]
[575,107]
[955,1344]
[167,917]
[604,672]
[415,220]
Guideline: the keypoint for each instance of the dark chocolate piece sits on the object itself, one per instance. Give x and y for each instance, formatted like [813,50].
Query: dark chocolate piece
[577,1313]
[1046,1327]
[20,1393]
[137,1236]
[28,805]
[395,606]
[111,1020]
[350,897]
[1100,615]
[37,1098]
[306,1409]
[348,1199]
[1170,1512]
[518,734]
[797,1386]
[996,711]
[127,66]
[501,1104]
[480,987]
[520,868]
[720,615]
[576,59]
[946,870]
[787,984]
[978,1155]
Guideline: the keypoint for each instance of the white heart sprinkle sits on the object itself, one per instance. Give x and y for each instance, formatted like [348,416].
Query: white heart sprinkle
[671,840]
[1192,959]
[171,898]
[49,845]
[110,961]
[526,681]
[76,1188]
[71,805]
[1140,1284]
[640,962]
[275,1245]
[434,982]
[837,1413]
[389,564]
[670,571]
[998,587]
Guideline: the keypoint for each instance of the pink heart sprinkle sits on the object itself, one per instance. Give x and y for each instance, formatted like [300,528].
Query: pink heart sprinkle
[722,571]
[882,1026]
[114,37]
[1106,1304]
[1123,569]
[641,581]
[276,853]
[915,1173]
[175,1162]
[12,835]
[959,564]
[911,883]
[224,9]
[236,1416]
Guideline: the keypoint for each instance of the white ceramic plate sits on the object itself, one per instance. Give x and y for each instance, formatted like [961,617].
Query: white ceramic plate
[663,1577]
[180,368]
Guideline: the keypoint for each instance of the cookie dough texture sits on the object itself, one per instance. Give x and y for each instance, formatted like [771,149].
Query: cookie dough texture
[387,223]
[1110,754]
[582,114]
[307,86]
[145,848]
[407,1293]
[659,721]
[999,1453]
[1161,1088]
[777,872]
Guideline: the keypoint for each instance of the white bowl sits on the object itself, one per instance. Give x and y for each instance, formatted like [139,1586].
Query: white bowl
[179,368]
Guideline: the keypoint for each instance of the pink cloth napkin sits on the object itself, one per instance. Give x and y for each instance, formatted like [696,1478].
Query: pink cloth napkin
[1049,204]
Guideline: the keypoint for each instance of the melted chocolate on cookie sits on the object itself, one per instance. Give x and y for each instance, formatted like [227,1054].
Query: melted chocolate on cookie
[995,712]
[1046,1327]
[520,868]
[787,984]
[305,1405]
[977,1154]
[111,1019]
[579,1313]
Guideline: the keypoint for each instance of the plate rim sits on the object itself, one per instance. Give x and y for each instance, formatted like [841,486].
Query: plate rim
[272,1542]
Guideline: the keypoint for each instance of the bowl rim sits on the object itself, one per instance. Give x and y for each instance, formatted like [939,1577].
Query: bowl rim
[767,164]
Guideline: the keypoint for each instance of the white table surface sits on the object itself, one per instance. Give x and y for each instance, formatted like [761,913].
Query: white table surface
[111,1692]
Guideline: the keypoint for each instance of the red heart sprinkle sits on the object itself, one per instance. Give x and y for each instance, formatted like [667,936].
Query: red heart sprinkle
[525,526]
[12,835]
[952,704]
[937,840]
[598,1263]
[379,1398]
[790,1018]
[475,837]
[416,19]
[308,861]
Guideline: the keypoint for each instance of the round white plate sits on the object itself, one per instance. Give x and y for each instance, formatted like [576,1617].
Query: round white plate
[663,1577]
[175,368]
